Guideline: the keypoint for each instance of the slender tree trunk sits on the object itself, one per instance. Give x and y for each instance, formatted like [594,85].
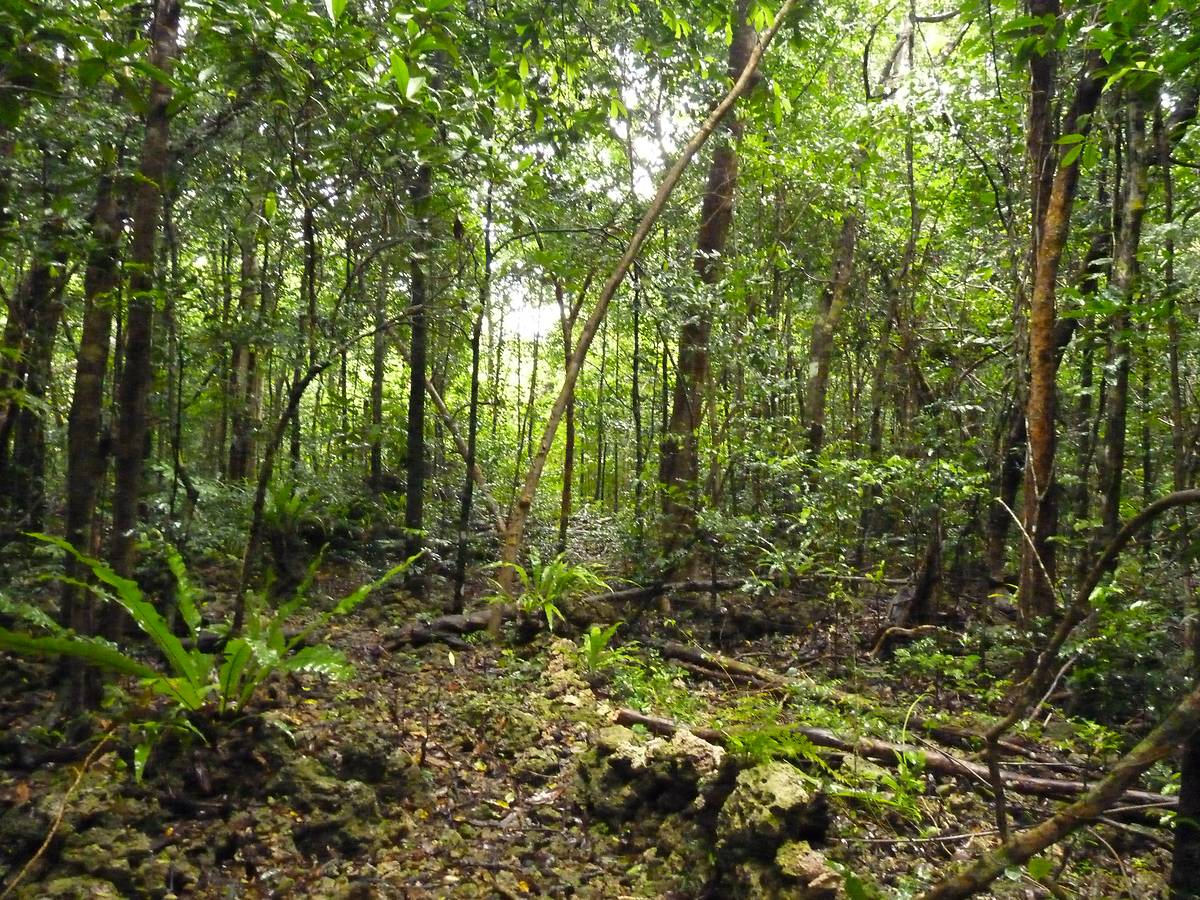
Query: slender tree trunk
[86,453]
[1037,581]
[242,371]
[515,530]
[24,474]
[485,302]
[1124,283]
[829,312]
[378,370]
[137,372]
[564,507]
[414,501]
[679,455]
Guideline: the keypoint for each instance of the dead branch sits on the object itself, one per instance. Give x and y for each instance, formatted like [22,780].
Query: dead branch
[1094,802]
[938,762]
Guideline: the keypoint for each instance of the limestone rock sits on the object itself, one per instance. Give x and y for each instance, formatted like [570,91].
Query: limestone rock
[771,803]
[815,880]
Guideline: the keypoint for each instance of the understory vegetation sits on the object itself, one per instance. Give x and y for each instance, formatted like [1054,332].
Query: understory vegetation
[599,449]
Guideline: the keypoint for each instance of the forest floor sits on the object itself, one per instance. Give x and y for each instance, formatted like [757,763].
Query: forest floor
[471,772]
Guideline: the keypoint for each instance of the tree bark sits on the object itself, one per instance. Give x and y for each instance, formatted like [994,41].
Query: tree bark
[1040,522]
[86,457]
[137,371]
[414,501]
[1124,280]
[829,311]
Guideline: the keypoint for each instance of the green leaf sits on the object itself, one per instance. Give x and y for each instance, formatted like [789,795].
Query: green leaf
[141,754]
[1070,139]
[94,651]
[414,86]
[91,70]
[321,659]
[148,619]
[335,8]
[1039,867]
[399,69]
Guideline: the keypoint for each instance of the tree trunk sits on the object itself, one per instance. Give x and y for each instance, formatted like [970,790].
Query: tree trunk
[86,455]
[1124,284]
[414,501]
[830,306]
[379,347]
[244,363]
[1037,580]
[679,454]
[146,208]
[515,530]
[40,307]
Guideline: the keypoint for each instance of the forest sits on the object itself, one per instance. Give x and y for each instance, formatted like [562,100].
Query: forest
[599,448]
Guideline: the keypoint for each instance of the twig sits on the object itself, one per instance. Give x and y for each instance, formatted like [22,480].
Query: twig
[964,836]
[62,811]
[1054,684]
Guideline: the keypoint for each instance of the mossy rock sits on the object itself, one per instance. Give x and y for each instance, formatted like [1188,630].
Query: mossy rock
[624,778]
[72,888]
[808,871]
[339,817]
[770,803]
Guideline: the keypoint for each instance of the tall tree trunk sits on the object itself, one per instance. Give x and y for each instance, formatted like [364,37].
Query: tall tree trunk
[378,370]
[146,207]
[1124,283]
[243,364]
[467,496]
[566,321]
[414,501]
[23,481]
[1040,522]
[86,457]
[679,453]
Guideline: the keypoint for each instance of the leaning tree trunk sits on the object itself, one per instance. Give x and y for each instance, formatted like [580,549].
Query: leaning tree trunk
[515,529]
[136,374]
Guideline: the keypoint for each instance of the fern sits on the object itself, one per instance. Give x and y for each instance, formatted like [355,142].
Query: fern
[191,676]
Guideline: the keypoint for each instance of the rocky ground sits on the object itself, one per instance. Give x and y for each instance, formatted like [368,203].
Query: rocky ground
[495,770]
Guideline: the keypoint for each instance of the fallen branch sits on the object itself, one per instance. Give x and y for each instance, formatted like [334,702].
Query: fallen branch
[1026,692]
[1182,722]
[718,666]
[447,629]
[938,762]
[890,635]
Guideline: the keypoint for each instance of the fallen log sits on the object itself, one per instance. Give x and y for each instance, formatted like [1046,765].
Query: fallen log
[459,624]
[937,761]
[447,629]
[719,666]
